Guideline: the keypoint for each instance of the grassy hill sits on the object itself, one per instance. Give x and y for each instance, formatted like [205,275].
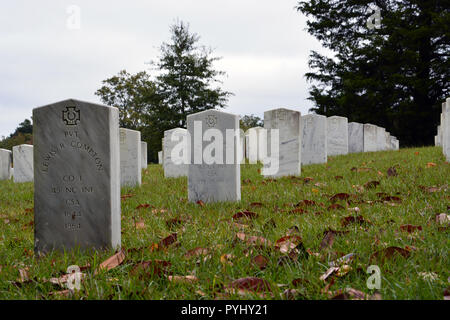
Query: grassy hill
[384,208]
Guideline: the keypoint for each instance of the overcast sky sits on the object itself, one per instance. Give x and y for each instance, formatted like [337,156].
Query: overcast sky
[263,43]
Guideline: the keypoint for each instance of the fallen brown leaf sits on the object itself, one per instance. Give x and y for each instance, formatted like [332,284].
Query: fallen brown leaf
[245,214]
[388,253]
[111,262]
[260,261]
[410,228]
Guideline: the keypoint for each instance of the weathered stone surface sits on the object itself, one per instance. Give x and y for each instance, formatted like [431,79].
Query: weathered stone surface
[241,147]
[288,141]
[175,144]
[23,163]
[355,137]
[247,145]
[11,173]
[370,138]
[337,136]
[314,139]
[5,164]
[160,157]
[393,143]
[438,137]
[381,139]
[387,142]
[130,158]
[446,129]
[77,176]
[214,170]
[144,156]
[254,152]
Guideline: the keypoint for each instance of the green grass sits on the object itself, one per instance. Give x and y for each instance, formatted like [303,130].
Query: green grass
[211,227]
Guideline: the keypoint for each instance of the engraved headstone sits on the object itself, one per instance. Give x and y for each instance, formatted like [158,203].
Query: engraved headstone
[214,169]
[370,137]
[337,136]
[130,158]
[5,164]
[23,163]
[355,137]
[314,139]
[77,176]
[175,144]
[289,140]
[144,159]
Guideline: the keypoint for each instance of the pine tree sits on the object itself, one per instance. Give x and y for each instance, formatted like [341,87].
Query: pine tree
[187,75]
[394,75]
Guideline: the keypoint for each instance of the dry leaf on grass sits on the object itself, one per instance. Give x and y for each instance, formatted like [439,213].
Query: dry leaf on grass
[151,268]
[410,228]
[260,261]
[183,279]
[249,285]
[253,240]
[111,262]
[245,214]
[388,253]
[287,243]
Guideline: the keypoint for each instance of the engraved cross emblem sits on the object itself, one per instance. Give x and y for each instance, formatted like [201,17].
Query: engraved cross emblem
[211,121]
[71,116]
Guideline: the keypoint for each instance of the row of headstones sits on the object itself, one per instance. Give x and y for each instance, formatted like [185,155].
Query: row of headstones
[80,154]
[133,158]
[320,137]
[23,163]
[442,138]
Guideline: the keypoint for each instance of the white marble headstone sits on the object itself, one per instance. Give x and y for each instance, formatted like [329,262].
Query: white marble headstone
[370,138]
[381,138]
[130,158]
[253,147]
[314,139]
[337,136]
[175,144]
[144,156]
[214,169]
[5,164]
[160,157]
[355,137]
[446,129]
[23,163]
[77,176]
[288,124]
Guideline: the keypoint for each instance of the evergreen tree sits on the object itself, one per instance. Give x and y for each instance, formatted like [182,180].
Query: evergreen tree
[395,74]
[187,75]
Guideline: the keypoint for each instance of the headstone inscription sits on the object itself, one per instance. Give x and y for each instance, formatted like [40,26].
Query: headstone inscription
[77,176]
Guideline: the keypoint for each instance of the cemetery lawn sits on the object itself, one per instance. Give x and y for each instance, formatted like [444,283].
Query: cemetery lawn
[395,218]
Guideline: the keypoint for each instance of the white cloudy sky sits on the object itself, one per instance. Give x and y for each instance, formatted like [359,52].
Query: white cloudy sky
[263,43]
